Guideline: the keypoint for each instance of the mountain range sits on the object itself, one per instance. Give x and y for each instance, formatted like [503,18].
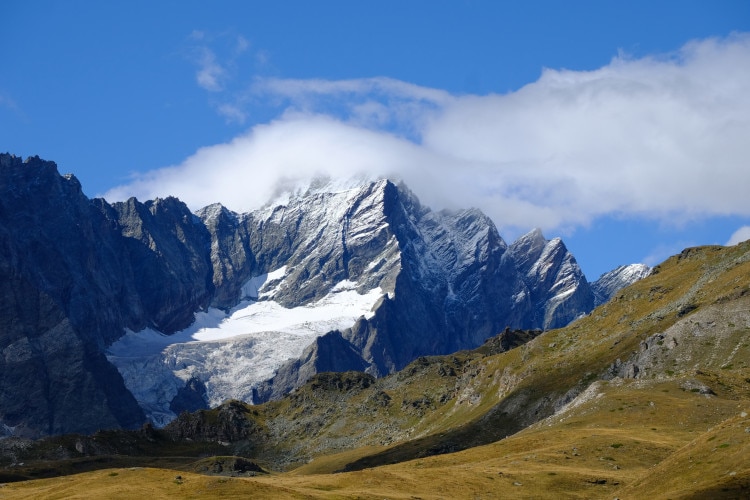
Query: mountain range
[648,396]
[645,396]
[115,314]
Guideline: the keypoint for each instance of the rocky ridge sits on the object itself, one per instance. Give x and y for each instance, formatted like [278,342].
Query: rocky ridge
[77,274]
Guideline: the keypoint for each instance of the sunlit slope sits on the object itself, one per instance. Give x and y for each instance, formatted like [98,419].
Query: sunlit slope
[515,389]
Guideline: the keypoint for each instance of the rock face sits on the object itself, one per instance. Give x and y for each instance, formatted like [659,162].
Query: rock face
[615,280]
[62,301]
[73,273]
[370,277]
[555,287]
[164,246]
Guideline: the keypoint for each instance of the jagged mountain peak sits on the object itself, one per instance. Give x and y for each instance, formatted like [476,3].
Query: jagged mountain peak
[214,210]
[535,235]
[8,160]
[288,190]
[553,279]
[36,177]
[331,185]
[528,247]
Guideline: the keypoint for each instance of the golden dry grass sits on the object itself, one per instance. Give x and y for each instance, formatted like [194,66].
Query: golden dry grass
[638,439]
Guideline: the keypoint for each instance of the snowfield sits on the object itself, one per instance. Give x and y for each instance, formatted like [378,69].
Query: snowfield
[231,352]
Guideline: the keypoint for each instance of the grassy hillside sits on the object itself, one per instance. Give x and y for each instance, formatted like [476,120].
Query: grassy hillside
[648,396]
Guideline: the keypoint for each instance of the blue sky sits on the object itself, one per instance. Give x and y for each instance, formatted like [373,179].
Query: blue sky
[623,127]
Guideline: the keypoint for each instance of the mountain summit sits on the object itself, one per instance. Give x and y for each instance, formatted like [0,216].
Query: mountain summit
[347,278]
[192,309]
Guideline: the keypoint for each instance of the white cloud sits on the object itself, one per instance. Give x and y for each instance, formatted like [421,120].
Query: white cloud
[210,73]
[245,172]
[233,114]
[742,234]
[662,137]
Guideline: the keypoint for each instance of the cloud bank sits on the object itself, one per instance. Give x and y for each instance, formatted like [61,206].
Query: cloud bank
[662,137]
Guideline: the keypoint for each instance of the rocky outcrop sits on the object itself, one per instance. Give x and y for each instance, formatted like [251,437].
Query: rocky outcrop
[329,353]
[509,339]
[681,348]
[229,424]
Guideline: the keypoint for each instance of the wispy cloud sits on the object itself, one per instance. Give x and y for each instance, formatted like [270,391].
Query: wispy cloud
[663,137]
[232,113]
[296,89]
[380,103]
[742,234]
[7,102]
[241,44]
[210,74]
[215,58]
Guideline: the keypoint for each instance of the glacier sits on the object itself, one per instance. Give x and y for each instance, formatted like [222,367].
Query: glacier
[231,352]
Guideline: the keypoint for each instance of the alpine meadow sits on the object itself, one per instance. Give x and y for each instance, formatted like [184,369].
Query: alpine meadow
[402,250]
